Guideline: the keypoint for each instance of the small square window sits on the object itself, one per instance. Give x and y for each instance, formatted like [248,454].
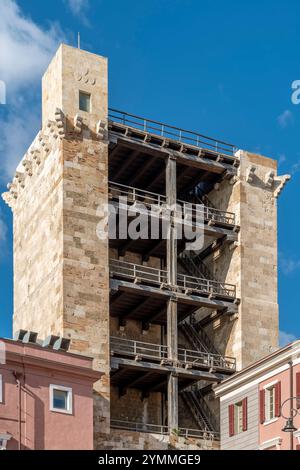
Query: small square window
[60,399]
[84,102]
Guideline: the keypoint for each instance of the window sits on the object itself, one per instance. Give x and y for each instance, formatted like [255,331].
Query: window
[270,400]
[238,417]
[270,403]
[84,102]
[61,399]
[1,389]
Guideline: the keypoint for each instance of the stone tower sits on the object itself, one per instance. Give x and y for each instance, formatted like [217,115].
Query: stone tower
[155,318]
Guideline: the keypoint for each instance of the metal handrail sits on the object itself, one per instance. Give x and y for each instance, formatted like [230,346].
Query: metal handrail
[159,276]
[160,429]
[136,271]
[138,348]
[133,348]
[146,197]
[171,132]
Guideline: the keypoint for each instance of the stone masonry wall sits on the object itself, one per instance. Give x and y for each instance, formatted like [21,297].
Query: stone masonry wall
[122,440]
[251,264]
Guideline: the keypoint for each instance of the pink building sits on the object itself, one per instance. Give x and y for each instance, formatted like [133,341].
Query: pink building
[255,403]
[45,395]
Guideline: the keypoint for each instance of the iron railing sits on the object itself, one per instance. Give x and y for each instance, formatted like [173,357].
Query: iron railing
[159,352]
[136,272]
[163,430]
[171,132]
[192,211]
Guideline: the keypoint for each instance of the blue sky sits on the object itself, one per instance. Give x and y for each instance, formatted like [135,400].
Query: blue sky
[222,68]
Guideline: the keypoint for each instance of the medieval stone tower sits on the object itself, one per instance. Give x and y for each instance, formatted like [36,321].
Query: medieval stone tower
[164,323]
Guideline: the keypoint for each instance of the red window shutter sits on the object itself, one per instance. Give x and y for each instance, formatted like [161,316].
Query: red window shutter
[231,420]
[277,398]
[298,388]
[245,414]
[262,406]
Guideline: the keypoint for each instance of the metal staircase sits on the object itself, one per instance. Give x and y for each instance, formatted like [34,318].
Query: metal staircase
[199,196]
[198,338]
[200,411]
[194,266]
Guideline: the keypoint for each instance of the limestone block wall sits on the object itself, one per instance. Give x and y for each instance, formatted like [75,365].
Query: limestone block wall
[38,246]
[251,264]
[122,440]
[147,410]
[58,196]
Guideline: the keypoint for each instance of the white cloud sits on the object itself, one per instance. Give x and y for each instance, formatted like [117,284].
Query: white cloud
[77,6]
[285,118]
[289,265]
[281,159]
[26,49]
[286,338]
[16,136]
[295,167]
[3,230]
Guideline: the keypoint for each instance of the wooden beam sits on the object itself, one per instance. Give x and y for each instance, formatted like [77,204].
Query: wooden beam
[139,307]
[115,297]
[156,386]
[132,181]
[214,316]
[202,162]
[153,318]
[153,182]
[188,299]
[128,161]
[134,382]
[154,246]
[191,374]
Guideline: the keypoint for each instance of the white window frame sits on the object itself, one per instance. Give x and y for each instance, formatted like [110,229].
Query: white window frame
[1,388]
[238,417]
[61,388]
[268,418]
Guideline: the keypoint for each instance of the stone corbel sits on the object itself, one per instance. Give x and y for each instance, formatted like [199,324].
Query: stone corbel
[233,245]
[20,178]
[250,174]
[78,121]
[36,156]
[13,190]
[52,128]
[233,180]
[101,130]
[8,199]
[269,179]
[27,164]
[280,182]
[43,139]
[60,122]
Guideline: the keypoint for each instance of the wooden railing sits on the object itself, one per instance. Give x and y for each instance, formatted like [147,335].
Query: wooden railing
[158,352]
[160,429]
[191,211]
[136,272]
[170,132]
